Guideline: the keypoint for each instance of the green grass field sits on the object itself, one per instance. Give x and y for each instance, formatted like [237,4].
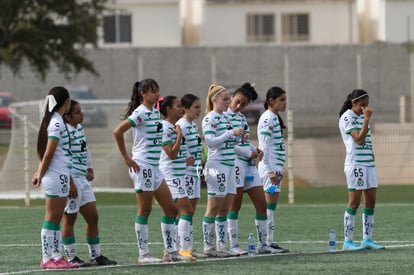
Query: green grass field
[302,227]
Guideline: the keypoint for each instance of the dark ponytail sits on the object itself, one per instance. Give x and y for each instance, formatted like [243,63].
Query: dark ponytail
[273,93]
[168,101]
[60,94]
[136,97]
[355,96]
[247,90]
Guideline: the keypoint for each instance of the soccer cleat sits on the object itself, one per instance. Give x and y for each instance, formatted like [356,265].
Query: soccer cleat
[351,246]
[278,248]
[213,253]
[102,260]
[79,262]
[370,244]
[64,264]
[198,255]
[175,257]
[148,259]
[51,264]
[226,251]
[187,253]
[237,250]
[266,249]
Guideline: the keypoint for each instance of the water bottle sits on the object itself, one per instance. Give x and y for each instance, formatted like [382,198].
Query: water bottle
[251,249]
[332,241]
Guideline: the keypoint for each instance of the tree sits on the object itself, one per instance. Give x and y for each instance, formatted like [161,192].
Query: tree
[41,32]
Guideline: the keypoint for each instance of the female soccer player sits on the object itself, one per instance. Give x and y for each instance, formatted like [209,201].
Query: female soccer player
[83,200]
[270,136]
[173,163]
[247,177]
[192,109]
[359,168]
[53,174]
[143,166]
[219,170]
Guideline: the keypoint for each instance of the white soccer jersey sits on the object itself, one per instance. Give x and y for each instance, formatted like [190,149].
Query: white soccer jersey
[147,135]
[172,168]
[243,149]
[81,157]
[62,160]
[355,153]
[270,136]
[219,137]
[194,147]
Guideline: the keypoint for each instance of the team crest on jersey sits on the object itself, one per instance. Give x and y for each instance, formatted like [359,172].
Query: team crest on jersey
[65,188]
[148,183]
[72,205]
[139,119]
[355,121]
[190,191]
[271,128]
[360,182]
[214,125]
[222,187]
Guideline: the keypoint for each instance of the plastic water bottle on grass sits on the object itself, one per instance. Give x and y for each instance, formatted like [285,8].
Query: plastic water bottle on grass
[251,249]
[332,241]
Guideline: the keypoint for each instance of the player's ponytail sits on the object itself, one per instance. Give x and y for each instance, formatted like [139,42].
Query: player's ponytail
[136,96]
[58,96]
[247,90]
[273,93]
[355,96]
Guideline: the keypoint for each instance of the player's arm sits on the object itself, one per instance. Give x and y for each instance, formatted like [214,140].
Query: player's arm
[120,141]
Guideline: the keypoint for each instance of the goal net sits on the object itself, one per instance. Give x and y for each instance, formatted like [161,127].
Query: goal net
[100,118]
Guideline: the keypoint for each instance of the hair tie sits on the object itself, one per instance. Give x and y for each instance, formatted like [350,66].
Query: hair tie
[160,99]
[49,103]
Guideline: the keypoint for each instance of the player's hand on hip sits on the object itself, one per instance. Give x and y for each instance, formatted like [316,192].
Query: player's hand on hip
[132,165]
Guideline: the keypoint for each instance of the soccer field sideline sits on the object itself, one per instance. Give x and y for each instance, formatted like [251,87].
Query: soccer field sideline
[120,266]
[301,228]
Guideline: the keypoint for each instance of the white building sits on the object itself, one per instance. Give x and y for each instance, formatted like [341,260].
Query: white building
[142,23]
[278,22]
[175,23]
[386,21]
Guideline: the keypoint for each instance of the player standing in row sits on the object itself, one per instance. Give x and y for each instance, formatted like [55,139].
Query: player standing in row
[143,167]
[53,174]
[270,136]
[82,199]
[192,109]
[219,170]
[359,168]
[247,176]
[173,163]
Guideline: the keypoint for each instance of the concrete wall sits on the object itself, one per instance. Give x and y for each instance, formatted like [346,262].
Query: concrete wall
[319,80]
[319,77]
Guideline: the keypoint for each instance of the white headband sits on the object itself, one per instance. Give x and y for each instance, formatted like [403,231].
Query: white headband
[219,92]
[359,97]
[50,101]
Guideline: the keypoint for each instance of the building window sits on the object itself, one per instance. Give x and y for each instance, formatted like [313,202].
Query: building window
[295,27]
[260,28]
[117,28]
